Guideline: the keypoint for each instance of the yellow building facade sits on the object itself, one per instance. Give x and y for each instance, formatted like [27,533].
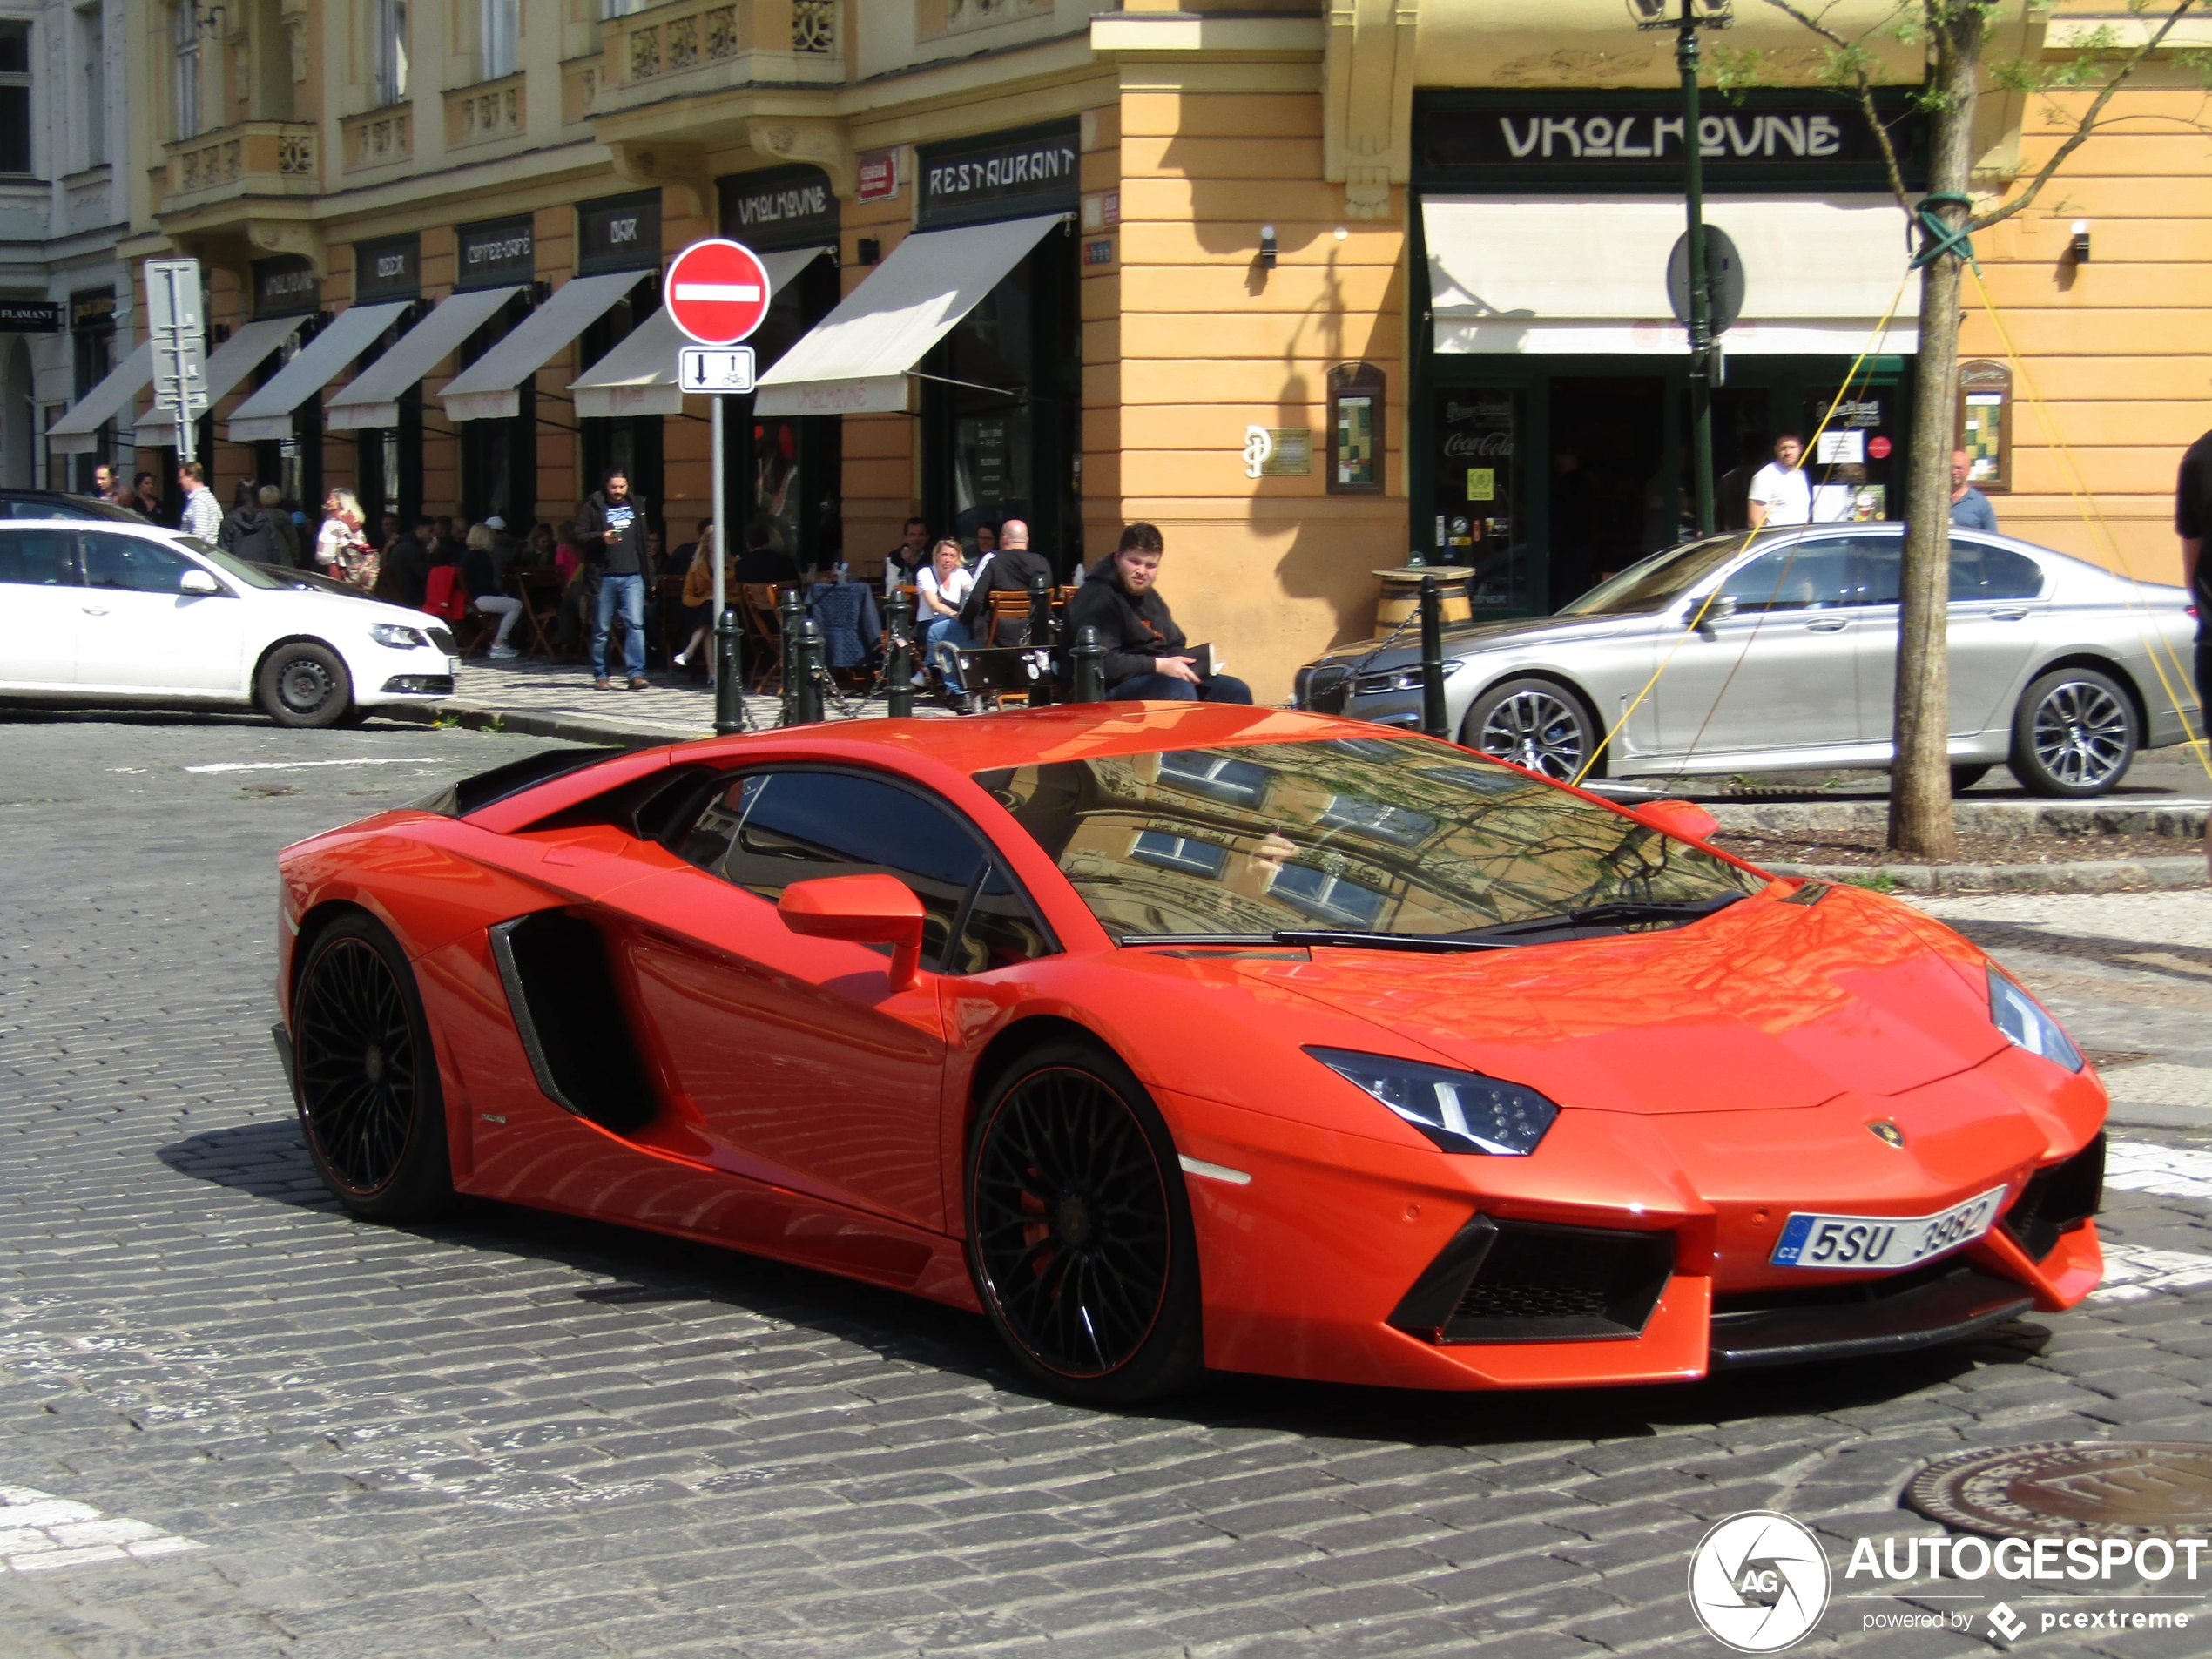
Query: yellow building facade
[1315,290]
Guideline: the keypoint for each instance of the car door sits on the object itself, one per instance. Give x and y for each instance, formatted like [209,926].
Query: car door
[1780,672]
[1995,621]
[141,633]
[39,609]
[792,1055]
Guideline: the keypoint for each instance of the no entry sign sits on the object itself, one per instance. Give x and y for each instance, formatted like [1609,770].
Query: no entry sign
[716,292]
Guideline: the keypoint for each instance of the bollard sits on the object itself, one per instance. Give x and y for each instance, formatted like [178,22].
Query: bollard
[791,610]
[1041,632]
[729,674]
[1087,668]
[1432,721]
[806,663]
[899,658]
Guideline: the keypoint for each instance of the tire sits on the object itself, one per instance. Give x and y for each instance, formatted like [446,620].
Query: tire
[303,683]
[1964,777]
[1072,1180]
[1537,723]
[2075,733]
[370,1107]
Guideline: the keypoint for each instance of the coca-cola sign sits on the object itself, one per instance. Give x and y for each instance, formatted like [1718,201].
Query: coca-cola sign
[1478,445]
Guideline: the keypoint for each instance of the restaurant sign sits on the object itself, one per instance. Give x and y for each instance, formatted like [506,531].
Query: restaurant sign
[780,207]
[1009,175]
[496,254]
[1573,140]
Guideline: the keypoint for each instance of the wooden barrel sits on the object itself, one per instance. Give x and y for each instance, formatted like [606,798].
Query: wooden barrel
[1401,594]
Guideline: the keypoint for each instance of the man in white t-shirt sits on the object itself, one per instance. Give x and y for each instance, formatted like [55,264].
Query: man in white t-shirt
[1780,492]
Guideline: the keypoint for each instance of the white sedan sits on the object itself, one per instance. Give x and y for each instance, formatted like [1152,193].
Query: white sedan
[115,610]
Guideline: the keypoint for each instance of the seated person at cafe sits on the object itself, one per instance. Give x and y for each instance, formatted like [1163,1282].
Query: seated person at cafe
[1120,597]
[761,563]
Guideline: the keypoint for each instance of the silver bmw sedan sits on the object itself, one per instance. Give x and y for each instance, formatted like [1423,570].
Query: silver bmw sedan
[1775,650]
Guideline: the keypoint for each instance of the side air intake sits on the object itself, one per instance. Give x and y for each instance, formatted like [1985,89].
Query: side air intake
[569,1016]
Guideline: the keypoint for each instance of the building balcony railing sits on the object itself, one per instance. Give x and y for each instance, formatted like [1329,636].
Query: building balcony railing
[251,158]
[378,138]
[488,111]
[693,46]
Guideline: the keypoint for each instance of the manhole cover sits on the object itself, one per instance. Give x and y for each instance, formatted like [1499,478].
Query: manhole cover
[2117,1489]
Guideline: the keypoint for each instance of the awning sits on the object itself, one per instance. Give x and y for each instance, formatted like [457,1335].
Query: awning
[1588,274]
[267,414]
[231,362]
[638,376]
[858,357]
[77,433]
[372,397]
[486,389]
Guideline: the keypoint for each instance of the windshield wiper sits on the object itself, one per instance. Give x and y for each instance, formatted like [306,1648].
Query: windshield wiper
[1615,913]
[1440,944]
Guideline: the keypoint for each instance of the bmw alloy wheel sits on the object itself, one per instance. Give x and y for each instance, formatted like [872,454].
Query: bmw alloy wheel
[2083,733]
[1538,728]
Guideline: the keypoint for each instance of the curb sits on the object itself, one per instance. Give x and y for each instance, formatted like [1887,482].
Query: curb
[2081,875]
[521,723]
[2012,818]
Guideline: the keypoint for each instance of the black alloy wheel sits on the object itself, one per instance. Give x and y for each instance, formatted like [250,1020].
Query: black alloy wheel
[368,1081]
[1536,723]
[2074,734]
[304,684]
[1079,1229]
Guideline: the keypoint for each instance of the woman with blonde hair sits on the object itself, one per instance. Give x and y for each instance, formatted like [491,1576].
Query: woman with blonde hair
[340,548]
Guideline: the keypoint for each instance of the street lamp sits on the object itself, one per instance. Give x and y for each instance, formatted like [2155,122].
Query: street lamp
[1692,16]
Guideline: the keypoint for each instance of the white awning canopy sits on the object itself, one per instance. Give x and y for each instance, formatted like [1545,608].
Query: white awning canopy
[638,376]
[77,433]
[231,362]
[267,414]
[858,358]
[1588,274]
[372,399]
[486,389]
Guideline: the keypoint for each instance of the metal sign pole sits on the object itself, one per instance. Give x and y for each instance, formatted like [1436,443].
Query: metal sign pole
[178,356]
[729,669]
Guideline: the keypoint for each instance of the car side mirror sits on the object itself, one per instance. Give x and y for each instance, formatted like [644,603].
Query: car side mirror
[198,582]
[1684,818]
[1706,612]
[867,909]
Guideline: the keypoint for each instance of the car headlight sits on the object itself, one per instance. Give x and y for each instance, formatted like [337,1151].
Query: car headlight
[395,636]
[1461,1111]
[1399,679]
[2022,1019]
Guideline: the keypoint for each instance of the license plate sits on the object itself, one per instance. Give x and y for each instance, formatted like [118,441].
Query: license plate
[1860,1242]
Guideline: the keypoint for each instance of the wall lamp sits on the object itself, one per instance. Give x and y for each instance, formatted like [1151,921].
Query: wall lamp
[1267,248]
[2080,246]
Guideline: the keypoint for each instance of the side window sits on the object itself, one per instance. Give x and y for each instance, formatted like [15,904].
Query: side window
[36,559]
[768,830]
[1872,569]
[131,564]
[1799,576]
[1979,570]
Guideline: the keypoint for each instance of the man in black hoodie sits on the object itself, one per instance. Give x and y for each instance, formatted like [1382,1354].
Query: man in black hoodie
[1143,662]
[611,531]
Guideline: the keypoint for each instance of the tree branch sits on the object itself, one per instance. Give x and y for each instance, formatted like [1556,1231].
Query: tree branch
[1850,56]
[2082,128]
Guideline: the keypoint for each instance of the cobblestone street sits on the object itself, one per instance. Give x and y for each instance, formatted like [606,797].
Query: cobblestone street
[235,1422]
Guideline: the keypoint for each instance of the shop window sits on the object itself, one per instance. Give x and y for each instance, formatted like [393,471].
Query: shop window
[1482,485]
[1356,396]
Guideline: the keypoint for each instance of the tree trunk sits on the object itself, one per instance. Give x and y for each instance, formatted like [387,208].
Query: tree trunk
[1920,821]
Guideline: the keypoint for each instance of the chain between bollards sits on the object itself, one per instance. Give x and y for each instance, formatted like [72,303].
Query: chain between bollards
[898,659]
[1432,721]
[1087,668]
[729,673]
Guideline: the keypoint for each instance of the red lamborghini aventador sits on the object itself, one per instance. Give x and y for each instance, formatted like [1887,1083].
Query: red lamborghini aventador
[1181,1036]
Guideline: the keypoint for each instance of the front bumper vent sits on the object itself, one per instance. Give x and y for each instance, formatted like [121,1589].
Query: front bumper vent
[444,641]
[2057,1200]
[1527,1281]
[420,684]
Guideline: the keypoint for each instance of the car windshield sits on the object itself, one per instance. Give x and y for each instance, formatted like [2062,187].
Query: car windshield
[1389,836]
[1653,583]
[252,575]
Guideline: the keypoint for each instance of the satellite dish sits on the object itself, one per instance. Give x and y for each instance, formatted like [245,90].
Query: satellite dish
[1725,266]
